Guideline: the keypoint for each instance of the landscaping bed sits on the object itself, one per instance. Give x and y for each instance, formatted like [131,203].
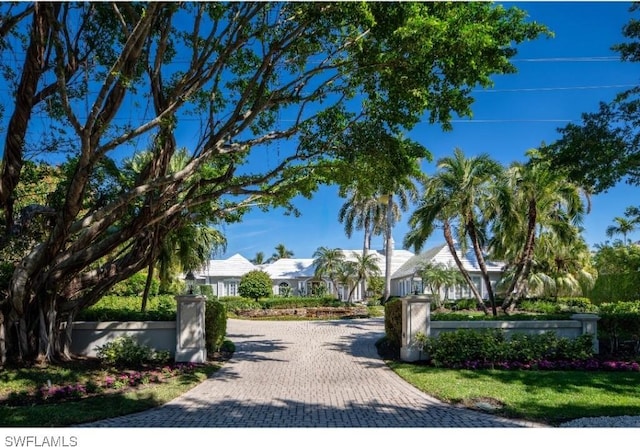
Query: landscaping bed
[306,312]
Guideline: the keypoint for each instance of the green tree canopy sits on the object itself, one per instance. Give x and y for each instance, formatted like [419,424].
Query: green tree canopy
[237,78]
[255,284]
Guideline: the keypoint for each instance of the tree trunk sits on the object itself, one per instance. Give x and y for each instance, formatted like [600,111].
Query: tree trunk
[388,251]
[452,248]
[365,249]
[33,68]
[483,266]
[147,287]
[524,265]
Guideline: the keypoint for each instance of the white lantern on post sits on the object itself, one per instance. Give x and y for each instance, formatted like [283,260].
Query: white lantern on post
[190,280]
[417,284]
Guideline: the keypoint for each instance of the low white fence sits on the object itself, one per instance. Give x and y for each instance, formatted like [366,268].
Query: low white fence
[562,328]
[87,336]
[416,318]
[183,338]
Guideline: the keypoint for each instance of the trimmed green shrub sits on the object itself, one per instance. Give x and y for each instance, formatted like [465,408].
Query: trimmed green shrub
[134,285]
[125,351]
[393,322]
[479,316]
[466,347]
[235,305]
[122,308]
[297,302]
[255,284]
[215,322]
[619,323]
[616,287]
[462,304]
[206,290]
[456,347]
[557,305]
[576,304]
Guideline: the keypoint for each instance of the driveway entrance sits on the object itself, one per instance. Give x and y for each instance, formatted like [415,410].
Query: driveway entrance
[307,374]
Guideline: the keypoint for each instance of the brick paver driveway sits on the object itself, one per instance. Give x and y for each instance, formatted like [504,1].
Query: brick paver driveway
[307,374]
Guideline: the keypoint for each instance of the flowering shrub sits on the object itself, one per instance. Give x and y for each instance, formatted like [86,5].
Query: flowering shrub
[136,378]
[62,392]
[119,382]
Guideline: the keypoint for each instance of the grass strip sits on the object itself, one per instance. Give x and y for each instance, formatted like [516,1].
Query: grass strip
[550,397]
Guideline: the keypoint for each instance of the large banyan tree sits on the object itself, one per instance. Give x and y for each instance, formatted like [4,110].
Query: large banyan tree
[262,95]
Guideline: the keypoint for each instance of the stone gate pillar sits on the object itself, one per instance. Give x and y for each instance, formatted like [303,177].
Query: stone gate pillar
[589,326]
[416,317]
[190,336]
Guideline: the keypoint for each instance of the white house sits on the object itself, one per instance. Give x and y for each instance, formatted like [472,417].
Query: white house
[224,274]
[405,281]
[296,276]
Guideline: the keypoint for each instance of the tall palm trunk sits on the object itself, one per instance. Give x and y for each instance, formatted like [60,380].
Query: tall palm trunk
[452,248]
[473,235]
[368,231]
[388,252]
[524,266]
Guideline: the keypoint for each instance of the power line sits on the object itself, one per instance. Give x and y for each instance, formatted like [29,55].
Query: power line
[550,89]
[480,121]
[571,59]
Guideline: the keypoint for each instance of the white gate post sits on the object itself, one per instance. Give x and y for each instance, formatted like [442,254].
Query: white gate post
[416,318]
[190,337]
[589,326]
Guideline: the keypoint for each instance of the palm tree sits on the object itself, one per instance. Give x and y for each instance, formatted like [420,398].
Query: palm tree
[461,190]
[327,263]
[347,276]
[552,204]
[561,268]
[396,201]
[365,266]
[622,226]
[364,213]
[258,259]
[185,247]
[437,276]
[281,253]
[434,211]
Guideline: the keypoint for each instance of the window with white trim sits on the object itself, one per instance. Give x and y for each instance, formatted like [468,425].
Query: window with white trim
[232,288]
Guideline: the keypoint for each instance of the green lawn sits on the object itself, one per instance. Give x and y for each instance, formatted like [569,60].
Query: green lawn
[551,397]
[19,407]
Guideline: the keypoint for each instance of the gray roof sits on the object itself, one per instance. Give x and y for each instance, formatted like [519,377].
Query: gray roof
[441,254]
[289,268]
[409,268]
[235,266]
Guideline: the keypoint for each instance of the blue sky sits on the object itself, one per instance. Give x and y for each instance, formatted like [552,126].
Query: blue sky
[558,79]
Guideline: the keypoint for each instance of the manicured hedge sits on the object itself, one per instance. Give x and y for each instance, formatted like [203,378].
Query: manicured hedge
[127,308]
[393,322]
[215,322]
[619,325]
[239,304]
[557,305]
[466,348]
